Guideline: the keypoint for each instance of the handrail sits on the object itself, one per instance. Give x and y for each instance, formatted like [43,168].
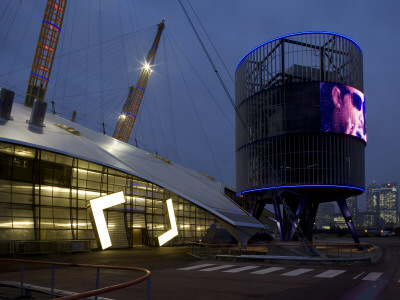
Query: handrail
[284,244]
[96,291]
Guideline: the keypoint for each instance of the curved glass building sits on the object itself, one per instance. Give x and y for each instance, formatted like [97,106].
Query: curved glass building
[49,175]
[300,131]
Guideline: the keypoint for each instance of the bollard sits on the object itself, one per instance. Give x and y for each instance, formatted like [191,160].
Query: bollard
[97,280]
[22,280]
[148,289]
[52,280]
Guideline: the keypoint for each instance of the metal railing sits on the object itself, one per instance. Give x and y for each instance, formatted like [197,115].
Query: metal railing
[328,250]
[97,291]
[43,247]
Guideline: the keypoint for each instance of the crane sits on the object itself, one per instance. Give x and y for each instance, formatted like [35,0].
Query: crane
[45,50]
[131,107]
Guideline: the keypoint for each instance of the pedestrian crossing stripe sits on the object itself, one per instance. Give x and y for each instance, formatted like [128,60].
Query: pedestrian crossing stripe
[330,273]
[237,270]
[217,268]
[297,272]
[267,270]
[196,267]
[372,276]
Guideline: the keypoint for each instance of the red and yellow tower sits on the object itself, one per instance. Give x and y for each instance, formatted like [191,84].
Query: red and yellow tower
[45,51]
[129,112]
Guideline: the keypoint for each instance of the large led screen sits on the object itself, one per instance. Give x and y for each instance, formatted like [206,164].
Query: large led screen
[342,110]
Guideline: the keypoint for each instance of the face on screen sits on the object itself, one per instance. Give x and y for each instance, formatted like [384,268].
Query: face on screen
[343,110]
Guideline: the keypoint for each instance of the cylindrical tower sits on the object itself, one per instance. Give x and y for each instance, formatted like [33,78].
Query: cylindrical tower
[301,98]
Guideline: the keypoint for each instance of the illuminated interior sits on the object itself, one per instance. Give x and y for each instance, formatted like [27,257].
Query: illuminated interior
[44,197]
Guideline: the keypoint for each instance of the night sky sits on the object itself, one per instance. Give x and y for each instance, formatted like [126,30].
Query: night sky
[186,115]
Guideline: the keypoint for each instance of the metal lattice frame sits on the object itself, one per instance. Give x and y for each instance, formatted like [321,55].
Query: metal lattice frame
[131,108]
[45,51]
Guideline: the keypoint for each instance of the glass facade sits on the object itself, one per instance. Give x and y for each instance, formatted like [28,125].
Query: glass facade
[45,196]
[279,140]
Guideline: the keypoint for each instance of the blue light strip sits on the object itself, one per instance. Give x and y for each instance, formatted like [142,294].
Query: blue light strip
[131,115]
[39,76]
[52,24]
[139,87]
[298,33]
[301,186]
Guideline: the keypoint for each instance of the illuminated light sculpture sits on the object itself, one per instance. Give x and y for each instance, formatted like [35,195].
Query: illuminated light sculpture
[98,205]
[173,232]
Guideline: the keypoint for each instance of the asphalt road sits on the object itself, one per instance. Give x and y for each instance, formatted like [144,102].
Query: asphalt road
[176,275]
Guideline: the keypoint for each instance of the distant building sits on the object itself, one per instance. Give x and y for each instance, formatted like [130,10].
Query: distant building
[367,219]
[353,208]
[325,214]
[371,217]
[382,208]
[339,222]
[388,205]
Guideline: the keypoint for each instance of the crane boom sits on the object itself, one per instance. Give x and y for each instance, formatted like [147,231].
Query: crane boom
[45,50]
[131,107]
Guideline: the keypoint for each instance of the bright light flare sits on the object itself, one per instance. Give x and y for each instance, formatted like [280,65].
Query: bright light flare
[98,205]
[173,232]
[147,66]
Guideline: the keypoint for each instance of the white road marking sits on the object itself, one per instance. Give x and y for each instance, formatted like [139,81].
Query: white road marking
[359,275]
[330,273]
[236,270]
[297,272]
[268,270]
[372,276]
[196,267]
[217,268]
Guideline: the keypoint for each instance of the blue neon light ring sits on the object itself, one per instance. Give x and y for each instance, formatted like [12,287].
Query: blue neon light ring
[294,34]
[40,76]
[52,24]
[301,186]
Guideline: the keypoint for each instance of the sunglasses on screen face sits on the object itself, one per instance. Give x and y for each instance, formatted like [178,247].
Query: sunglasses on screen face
[356,100]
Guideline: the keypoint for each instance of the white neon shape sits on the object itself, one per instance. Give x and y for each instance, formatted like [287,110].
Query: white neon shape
[98,205]
[173,232]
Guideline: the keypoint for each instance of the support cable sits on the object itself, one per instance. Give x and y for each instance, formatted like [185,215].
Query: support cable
[198,118]
[101,66]
[68,58]
[199,77]
[215,70]
[9,23]
[174,143]
[212,44]
[87,66]
[21,42]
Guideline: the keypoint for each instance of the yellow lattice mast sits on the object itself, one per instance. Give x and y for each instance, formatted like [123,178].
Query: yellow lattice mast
[45,50]
[131,107]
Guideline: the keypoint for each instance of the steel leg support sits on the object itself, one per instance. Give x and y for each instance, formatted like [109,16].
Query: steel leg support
[347,217]
[299,210]
[279,218]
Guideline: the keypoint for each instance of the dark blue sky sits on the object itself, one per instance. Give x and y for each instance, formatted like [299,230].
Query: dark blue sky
[181,117]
